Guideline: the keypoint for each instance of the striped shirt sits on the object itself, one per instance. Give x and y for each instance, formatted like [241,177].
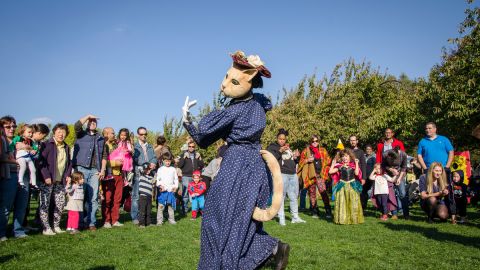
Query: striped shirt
[145,185]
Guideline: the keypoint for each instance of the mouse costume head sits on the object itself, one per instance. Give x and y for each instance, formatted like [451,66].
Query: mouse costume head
[244,75]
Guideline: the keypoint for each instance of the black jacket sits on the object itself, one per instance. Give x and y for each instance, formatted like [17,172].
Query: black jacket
[287,166]
[188,166]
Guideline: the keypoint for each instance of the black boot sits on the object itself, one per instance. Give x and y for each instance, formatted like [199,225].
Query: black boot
[281,257]
[315,212]
[328,212]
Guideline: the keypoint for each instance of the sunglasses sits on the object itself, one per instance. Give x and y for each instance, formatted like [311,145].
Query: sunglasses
[191,146]
[142,134]
[315,141]
[9,127]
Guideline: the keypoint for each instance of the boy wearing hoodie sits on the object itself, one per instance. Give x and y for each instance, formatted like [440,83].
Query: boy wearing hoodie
[459,190]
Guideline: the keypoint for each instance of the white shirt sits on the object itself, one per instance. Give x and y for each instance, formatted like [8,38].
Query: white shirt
[381,183]
[167,178]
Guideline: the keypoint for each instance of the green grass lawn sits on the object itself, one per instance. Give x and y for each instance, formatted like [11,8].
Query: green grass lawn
[317,244]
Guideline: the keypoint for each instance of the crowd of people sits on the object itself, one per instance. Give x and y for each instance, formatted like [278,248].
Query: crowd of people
[389,178]
[117,172]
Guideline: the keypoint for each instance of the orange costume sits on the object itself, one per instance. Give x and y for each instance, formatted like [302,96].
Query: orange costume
[314,174]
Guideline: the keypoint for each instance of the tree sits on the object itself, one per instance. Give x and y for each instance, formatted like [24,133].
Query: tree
[354,99]
[453,96]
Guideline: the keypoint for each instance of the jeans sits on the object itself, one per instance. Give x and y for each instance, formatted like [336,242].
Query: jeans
[185,181]
[303,195]
[90,175]
[402,198]
[290,188]
[135,195]
[20,207]
[8,192]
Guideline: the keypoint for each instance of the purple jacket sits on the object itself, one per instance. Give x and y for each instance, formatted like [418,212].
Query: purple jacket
[48,161]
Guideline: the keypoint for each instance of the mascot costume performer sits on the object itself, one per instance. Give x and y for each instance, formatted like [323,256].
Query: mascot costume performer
[232,234]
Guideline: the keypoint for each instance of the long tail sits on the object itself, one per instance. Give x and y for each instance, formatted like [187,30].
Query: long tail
[274,167]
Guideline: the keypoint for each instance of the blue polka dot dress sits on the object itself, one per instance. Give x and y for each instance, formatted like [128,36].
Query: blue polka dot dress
[230,238]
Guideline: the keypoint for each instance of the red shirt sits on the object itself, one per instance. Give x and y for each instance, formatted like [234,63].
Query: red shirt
[198,188]
[380,145]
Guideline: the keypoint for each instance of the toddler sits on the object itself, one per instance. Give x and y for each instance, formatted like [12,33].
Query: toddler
[196,189]
[459,190]
[123,153]
[25,154]
[145,190]
[380,189]
[74,206]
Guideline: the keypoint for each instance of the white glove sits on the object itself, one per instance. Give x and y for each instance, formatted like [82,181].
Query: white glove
[185,110]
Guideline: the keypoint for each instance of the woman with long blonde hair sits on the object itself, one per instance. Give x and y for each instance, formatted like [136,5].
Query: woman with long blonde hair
[434,192]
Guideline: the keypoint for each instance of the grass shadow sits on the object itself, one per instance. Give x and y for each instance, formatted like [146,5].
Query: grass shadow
[436,235]
[102,267]
[6,258]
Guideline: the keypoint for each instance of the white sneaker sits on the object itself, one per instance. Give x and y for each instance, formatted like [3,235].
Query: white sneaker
[173,222]
[282,222]
[298,220]
[58,230]
[21,236]
[48,232]
[3,239]
[117,224]
[107,225]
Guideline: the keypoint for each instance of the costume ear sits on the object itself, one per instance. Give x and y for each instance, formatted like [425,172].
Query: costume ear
[251,73]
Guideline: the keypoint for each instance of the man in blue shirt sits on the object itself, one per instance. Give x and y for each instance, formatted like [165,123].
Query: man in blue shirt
[434,148]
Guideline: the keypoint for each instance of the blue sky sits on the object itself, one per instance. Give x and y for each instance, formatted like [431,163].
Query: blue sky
[132,63]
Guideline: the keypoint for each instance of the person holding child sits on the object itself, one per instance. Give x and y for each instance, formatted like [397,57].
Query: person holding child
[74,206]
[112,183]
[287,159]
[383,191]
[347,187]
[196,189]
[167,184]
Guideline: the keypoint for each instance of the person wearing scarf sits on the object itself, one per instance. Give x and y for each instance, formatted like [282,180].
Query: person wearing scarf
[313,172]
[347,187]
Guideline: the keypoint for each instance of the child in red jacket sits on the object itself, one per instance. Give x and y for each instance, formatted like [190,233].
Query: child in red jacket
[196,189]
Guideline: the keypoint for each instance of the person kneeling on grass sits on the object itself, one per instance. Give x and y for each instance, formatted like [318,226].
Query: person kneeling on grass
[167,184]
[145,190]
[434,192]
[196,189]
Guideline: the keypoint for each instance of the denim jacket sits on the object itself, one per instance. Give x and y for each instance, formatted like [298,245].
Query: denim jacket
[83,148]
[139,157]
